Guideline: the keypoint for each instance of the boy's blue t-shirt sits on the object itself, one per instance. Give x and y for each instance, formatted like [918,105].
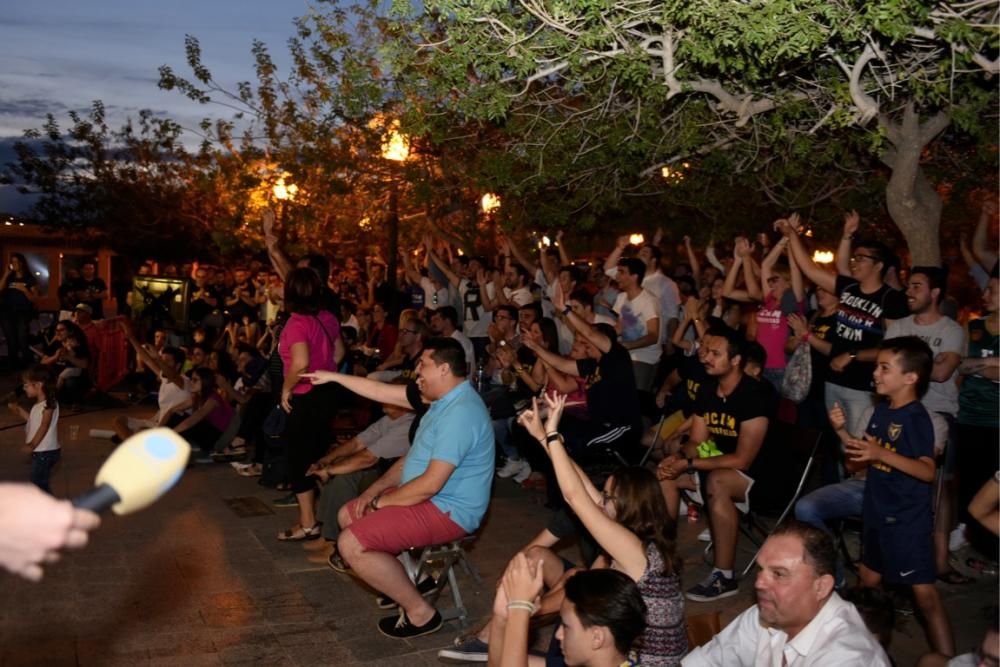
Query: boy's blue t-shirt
[892,496]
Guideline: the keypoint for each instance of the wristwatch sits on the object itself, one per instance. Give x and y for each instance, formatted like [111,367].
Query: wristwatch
[690,470]
[374,503]
[853,354]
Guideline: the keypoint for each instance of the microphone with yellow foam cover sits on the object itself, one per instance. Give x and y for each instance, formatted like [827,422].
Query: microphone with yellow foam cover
[138,472]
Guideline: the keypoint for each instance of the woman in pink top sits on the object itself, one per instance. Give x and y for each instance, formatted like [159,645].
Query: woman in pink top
[309,342]
[211,412]
[780,292]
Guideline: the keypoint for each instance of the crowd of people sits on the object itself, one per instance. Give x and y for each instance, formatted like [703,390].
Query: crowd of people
[631,390]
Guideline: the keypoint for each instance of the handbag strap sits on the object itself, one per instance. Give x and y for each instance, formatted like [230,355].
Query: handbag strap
[329,338]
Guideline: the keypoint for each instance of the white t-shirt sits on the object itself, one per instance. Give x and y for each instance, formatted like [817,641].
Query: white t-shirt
[171,395]
[634,316]
[475,322]
[945,335]
[470,354]
[666,292]
[51,440]
[520,296]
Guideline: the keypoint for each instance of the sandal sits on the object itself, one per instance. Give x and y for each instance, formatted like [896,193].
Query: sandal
[955,578]
[299,534]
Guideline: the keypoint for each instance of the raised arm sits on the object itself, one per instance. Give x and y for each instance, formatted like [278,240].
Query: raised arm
[581,495]
[279,261]
[563,255]
[582,326]
[851,223]
[767,265]
[729,286]
[611,263]
[151,361]
[692,258]
[823,278]
[713,260]
[522,259]
[432,256]
[981,246]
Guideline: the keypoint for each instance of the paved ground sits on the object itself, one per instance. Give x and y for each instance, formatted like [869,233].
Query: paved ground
[189,582]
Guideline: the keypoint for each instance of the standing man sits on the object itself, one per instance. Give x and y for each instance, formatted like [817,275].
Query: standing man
[867,307]
[437,493]
[638,321]
[91,289]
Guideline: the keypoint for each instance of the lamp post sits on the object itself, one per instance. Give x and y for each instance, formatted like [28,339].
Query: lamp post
[395,148]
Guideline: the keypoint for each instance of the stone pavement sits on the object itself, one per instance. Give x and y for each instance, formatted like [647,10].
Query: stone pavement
[189,582]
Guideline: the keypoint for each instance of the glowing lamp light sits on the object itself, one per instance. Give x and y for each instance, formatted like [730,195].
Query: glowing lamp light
[490,202]
[396,146]
[636,239]
[823,257]
[283,191]
[365,223]
[546,241]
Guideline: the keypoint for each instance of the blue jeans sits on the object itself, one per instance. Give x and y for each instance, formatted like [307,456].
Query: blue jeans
[854,403]
[42,464]
[834,501]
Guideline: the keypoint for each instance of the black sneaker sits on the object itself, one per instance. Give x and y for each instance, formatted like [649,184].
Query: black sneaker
[286,501]
[424,587]
[715,587]
[472,649]
[400,627]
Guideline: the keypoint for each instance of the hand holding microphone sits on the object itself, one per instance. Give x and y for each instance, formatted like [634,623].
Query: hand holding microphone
[34,526]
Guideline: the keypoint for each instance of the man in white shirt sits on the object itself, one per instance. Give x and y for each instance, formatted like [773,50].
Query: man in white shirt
[663,289]
[798,621]
[515,285]
[444,322]
[638,321]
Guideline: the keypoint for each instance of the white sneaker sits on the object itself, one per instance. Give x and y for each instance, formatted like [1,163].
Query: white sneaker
[956,540]
[523,473]
[509,469]
[705,536]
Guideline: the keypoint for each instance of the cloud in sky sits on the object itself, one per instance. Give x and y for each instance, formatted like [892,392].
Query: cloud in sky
[62,55]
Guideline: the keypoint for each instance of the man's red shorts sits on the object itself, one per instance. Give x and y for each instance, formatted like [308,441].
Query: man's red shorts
[396,529]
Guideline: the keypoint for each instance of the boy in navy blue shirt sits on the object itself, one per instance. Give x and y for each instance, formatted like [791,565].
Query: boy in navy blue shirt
[898,448]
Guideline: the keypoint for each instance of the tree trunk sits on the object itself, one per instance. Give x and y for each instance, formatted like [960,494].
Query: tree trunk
[913,203]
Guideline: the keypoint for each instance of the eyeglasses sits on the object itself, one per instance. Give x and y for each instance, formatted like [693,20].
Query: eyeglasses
[857,257]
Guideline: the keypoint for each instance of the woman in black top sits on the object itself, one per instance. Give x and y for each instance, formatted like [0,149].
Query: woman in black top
[18,290]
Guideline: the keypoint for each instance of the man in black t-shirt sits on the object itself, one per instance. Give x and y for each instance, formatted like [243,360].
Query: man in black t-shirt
[867,307]
[728,429]
[91,289]
[612,400]
[241,302]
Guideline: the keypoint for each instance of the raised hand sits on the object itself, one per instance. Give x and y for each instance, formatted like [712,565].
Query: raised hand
[267,222]
[798,324]
[851,223]
[523,579]
[556,403]
[838,419]
[531,420]
[864,450]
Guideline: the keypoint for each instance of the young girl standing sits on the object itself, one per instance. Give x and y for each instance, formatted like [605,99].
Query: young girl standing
[41,429]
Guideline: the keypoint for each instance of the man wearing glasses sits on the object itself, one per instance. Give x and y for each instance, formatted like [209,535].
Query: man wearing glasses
[867,307]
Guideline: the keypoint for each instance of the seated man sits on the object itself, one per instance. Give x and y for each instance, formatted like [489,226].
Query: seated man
[437,493]
[404,359]
[798,618]
[727,432]
[354,464]
[175,387]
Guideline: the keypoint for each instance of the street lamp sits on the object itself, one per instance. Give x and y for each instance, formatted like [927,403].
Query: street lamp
[490,202]
[822,257]
[395,148]
[284,191]
[636,239]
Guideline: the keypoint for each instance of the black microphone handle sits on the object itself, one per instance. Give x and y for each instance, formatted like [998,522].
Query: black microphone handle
[97,499]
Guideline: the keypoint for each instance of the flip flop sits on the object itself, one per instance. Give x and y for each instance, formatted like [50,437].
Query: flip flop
[299,534]
[955,578]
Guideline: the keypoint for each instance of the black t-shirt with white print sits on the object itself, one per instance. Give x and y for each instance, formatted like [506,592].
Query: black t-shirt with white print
[724,415]
[860,326]
[610,384]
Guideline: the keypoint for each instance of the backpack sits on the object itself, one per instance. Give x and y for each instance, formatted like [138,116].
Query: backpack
[798,374]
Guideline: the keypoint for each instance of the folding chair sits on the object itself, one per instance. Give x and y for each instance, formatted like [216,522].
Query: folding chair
[797,449]
[442,558]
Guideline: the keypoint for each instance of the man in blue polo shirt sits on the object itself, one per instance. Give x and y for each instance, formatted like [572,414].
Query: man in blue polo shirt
[437,493]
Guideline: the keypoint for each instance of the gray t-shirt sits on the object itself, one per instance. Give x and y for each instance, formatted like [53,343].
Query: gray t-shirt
[388,438]
[945,335]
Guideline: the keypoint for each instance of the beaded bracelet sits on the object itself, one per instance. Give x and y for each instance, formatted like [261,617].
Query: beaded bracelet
[522,604]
